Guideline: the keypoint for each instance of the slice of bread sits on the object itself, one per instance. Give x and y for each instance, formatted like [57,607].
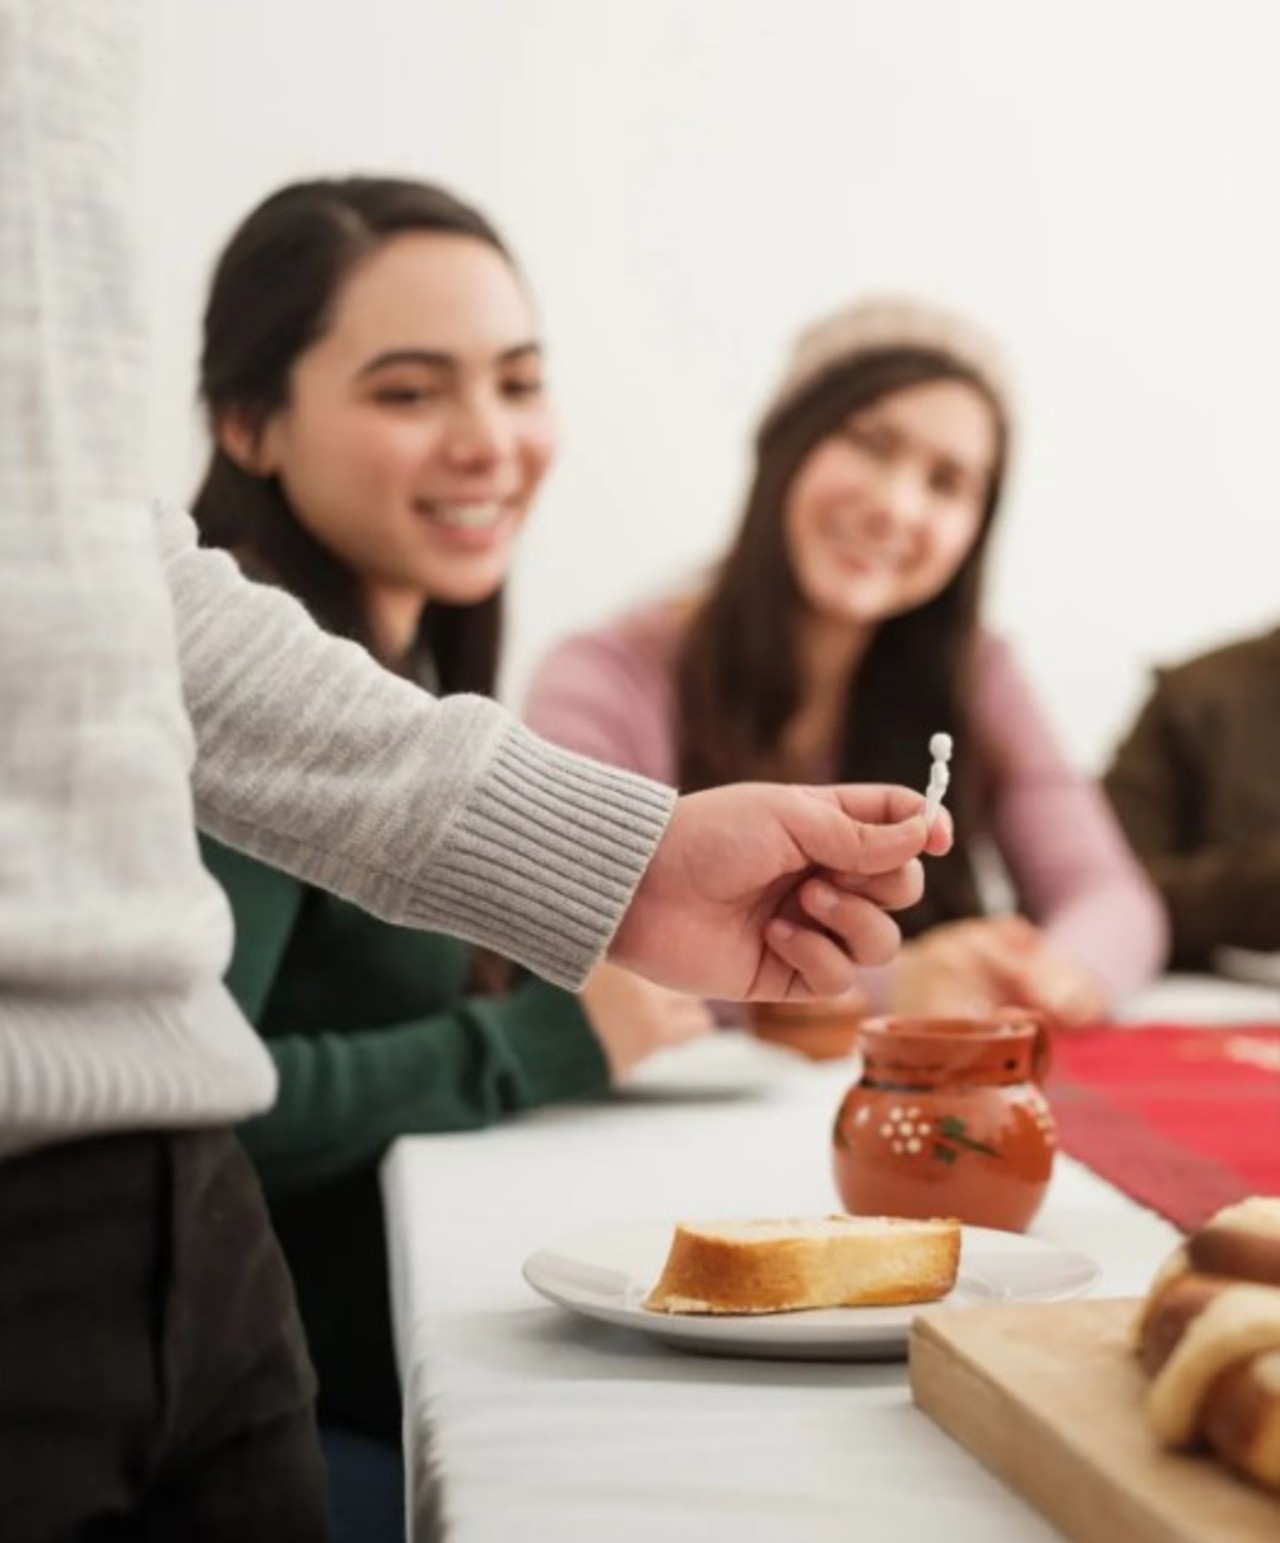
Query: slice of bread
[785,1266]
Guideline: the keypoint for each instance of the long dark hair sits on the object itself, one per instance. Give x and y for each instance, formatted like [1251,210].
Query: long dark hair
[272,296]
[739,677]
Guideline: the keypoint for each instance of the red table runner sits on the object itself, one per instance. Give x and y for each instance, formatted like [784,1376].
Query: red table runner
[1182,1119]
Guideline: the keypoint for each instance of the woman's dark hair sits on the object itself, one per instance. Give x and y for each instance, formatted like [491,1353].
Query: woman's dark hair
[739,679]
[272,296]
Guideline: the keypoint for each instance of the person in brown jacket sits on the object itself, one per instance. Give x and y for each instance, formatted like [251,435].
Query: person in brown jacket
[1196,786]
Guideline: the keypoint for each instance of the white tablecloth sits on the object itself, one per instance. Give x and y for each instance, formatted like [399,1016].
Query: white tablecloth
[525,1422]
[1203,999]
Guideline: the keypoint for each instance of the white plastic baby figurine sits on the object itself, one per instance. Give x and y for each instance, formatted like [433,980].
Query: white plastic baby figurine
[939,776]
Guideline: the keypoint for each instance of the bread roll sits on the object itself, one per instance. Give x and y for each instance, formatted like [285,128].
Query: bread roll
[1242,1242]
[1209,1336]
[786,1266]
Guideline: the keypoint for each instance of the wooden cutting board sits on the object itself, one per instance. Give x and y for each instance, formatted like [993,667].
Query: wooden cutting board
[1049,1397]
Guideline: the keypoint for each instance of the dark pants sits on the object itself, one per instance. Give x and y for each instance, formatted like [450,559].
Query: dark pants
[366,1487]
[154,1383]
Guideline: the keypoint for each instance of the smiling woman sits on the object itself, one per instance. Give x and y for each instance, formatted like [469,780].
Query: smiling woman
[416,431]
[842,631]
[383,409]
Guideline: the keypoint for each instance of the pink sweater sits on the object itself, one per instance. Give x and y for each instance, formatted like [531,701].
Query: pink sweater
[610,693]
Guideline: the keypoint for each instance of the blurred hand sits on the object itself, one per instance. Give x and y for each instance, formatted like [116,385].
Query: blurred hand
[988,962]
[632,1017]
[769,892]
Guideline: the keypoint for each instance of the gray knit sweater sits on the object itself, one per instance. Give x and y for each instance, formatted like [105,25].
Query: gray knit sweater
[119,638]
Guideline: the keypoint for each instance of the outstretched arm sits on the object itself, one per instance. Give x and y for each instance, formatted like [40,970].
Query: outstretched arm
[450,815]
[445,815]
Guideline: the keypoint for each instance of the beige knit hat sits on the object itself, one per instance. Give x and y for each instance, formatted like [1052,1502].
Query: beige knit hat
[876,324]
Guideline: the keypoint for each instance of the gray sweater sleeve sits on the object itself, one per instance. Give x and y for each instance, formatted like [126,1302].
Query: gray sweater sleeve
[442,814]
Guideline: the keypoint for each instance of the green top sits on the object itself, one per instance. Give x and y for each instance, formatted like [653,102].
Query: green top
[374,1036]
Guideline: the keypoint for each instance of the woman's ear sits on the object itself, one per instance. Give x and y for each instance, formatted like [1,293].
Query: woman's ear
[247,440]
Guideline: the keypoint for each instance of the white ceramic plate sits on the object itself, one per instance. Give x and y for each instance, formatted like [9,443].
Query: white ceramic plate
[727,1064]
[1258,966]
[606,1271]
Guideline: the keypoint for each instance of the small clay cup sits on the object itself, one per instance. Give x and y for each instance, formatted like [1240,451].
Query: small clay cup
[947,1119]
[822,1030]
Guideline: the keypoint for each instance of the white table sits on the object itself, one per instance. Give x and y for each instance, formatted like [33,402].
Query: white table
[526,1423]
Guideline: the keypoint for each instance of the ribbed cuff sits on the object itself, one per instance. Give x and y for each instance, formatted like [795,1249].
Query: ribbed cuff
[542,863]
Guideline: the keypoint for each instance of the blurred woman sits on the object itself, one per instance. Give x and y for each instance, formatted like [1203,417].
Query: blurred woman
[374,382]
[842,630]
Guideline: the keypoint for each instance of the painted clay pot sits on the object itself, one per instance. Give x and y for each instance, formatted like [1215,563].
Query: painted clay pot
[948,1119]
[821,1031]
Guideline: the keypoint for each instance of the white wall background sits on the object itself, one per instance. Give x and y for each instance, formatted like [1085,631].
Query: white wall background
[687,181]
